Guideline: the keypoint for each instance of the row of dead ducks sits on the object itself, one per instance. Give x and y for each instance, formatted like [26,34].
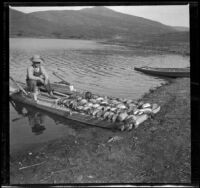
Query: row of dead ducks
[114,110]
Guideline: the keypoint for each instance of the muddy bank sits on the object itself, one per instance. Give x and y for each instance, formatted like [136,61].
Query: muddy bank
[158,151]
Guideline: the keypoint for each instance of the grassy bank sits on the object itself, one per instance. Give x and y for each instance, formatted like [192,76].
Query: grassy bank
[157,151]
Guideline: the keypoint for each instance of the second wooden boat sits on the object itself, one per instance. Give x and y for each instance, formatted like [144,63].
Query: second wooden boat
[165,72]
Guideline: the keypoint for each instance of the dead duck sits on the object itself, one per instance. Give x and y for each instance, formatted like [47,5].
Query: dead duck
[155,108]
[75,105]
[105,115]
[67,103]
[104,103]
[79,98]
[80,108]
[121,106]
[129,126]
[93,101]
[122,127]
[89,104]
[129,101]
[114,118]
[131,118]
[100,107]
[85,108]
[95,112]
[107,108]
[99,113]
[131,109]
[146,105]
[114,102]
[100,99]
[122,116]
[140,103]
[111,114]
[82,102]
[95,105]
[113,109]
[131,105]
[145,110]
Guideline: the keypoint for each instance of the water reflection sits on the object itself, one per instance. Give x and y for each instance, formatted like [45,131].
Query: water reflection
[31,126]
[40,121]
[36,119]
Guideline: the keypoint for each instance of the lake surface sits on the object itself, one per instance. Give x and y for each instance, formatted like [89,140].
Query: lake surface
[87,65]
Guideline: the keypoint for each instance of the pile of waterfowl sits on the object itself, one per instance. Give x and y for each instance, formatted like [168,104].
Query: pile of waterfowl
[128,113]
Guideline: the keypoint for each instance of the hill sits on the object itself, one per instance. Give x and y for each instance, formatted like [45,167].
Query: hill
[88,23]
[100,23]
[25,25]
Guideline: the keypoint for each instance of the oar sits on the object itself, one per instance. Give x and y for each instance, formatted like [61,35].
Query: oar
[55,74]
[20,87]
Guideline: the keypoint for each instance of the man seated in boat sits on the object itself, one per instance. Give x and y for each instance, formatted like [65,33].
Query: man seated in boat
[37,76]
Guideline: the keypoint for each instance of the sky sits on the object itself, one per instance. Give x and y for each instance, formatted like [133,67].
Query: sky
[173,15]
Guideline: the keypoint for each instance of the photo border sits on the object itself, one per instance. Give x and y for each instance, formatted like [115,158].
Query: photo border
[195,82]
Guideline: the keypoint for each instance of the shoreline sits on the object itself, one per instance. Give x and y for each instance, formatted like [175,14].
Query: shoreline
[142,46]
[158,151]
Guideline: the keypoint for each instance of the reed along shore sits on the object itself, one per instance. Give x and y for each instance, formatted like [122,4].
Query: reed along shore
[158,151]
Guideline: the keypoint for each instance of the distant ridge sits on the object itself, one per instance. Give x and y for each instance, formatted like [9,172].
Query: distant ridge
[181,28]
[88,23]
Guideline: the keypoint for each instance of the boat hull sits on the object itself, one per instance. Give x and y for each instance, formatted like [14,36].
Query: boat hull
[165,72]
[49,105]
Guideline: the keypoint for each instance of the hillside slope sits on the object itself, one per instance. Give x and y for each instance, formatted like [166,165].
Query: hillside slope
[25,25]
[89,23]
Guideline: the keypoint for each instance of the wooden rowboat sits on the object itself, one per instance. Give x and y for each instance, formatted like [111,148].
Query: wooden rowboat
[165,72]
[48,104]
[52,105]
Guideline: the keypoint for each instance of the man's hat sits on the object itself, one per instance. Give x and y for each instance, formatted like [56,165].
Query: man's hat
[36,59]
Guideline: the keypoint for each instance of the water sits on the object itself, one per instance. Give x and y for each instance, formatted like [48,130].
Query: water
[88,65]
